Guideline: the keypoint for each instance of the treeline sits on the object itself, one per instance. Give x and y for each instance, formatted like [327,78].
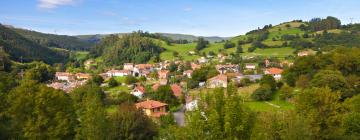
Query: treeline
[128,48]
[56,41]
[19,48]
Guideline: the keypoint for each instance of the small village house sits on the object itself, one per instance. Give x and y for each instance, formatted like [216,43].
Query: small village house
[138,91]
[188,73]
[152,108]
[82,76]
[275,72]
[250,66]
[177,90]
[218,81]
[128,66]
[64,76]
[163,74]
[118,73]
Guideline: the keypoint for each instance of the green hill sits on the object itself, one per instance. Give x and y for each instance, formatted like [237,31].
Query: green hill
[52,40]
[20,48]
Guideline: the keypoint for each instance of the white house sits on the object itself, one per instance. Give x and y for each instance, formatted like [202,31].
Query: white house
[128,66]
[218,81]
[188,73]
[138,91]
[203,60]
[64,76]
[275,72]
[192,105]
[118,73]
[250,66]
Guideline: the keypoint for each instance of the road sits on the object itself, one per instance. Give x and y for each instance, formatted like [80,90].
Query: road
[180,116]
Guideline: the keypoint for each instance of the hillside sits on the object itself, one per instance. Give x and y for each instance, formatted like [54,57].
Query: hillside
[21,48]
[52,40]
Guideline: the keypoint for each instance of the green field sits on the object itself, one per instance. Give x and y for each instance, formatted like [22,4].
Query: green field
[182,49]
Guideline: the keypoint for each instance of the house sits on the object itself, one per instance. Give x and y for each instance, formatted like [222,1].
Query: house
[203,60]
[177,90]
[250,66]
[306,53]
[142,70]
[195,66]
[222,69]
[192,105]
[275,72]
[138,91]
[163,74]
[128,66]
[218,81]
[163,81]
[252,78]
[155,86]
[152,108]
[188,73]
[118,73]
[82,76]
[64,76]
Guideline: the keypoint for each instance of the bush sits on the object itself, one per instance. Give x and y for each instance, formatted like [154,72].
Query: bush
[113,82]
[130,80]
[263,93]
[286,92]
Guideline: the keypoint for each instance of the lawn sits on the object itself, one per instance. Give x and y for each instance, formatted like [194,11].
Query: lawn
[81,55]
[271,52]
[182,49]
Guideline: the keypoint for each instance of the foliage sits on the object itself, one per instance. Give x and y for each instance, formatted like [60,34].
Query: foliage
[201,44]
[263,93]
[318,24]
[113,82]
[40,72]
[130,79]
[130,123]
[39,112]
[21,49]
[165,94]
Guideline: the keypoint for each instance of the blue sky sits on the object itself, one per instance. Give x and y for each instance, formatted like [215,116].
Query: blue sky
[198,17]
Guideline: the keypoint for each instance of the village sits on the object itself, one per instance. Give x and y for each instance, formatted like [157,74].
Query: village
[175,74]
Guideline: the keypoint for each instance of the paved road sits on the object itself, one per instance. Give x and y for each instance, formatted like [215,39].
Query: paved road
[180,116]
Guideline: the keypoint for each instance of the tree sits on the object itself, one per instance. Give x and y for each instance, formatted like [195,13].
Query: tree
[97,79]
[251,49]
[89,102]
[39,112]
[268,80]
[130,123]
[321,109]
[228,45]
[332,79]
[130,79]
[165,94]
[263,93]
[239,49]
[40,72]
[175,53]
[113,82]
[201,44]
[286,92]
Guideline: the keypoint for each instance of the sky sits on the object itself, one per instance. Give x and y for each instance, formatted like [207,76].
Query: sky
[224,18]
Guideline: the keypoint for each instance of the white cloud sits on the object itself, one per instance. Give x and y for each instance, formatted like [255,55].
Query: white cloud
[50,4]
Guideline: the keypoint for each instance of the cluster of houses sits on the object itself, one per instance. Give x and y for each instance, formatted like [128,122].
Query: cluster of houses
[227,72]
[67,81]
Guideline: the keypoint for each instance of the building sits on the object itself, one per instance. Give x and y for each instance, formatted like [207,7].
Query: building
[142,70]
[163,74]
[222,69]
[275,72]
[203,60]
[138,91]
[129,66]
[188,73]
[195,66]
[118,73]
[163,81]
[177,90]
[252,78]
[218,81]
[306,53]
[152,108]
[82,76]
[64,76]
[250,66]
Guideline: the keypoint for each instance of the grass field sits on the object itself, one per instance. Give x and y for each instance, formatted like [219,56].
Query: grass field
[81,55]
[182,49]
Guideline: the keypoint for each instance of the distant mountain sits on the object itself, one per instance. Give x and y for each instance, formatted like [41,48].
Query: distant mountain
[192,37]
[20,48]
[52,40]
[96,38]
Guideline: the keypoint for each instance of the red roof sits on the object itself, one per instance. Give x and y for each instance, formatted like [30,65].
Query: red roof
[274,71]
[140,88]
[150,104]
[176,90]
[156,86]
[219,77]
